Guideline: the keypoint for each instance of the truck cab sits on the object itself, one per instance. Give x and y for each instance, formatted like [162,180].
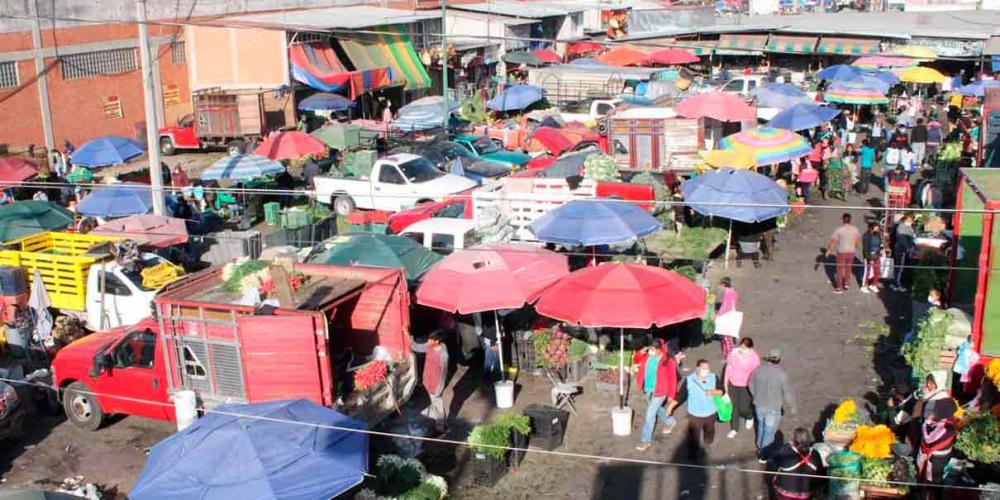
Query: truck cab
[483,147]
[116,296]
[181,135]
[743,85]
[443,235]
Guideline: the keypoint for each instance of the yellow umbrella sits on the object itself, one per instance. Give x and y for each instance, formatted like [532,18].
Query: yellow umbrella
[731,158]
[922,75]
[915,51]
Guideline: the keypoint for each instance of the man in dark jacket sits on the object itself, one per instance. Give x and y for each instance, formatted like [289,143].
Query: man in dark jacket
[657,377]
[796,460]
[871,249]
[918,142]
[902,250]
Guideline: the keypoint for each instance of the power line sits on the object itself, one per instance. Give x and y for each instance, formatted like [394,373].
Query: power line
[452,442]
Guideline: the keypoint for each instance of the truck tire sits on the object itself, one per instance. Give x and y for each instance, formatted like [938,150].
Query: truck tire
[235,146]
[167,146]
[343,205]
[82,407]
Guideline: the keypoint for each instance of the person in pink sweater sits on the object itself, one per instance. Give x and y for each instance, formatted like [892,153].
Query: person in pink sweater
[728,299]
[740,364]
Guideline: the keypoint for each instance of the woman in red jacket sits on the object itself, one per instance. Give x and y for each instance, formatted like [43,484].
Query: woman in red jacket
[657,377]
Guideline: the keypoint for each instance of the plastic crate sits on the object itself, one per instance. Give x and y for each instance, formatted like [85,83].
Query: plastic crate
[525,349]
[486,470]
[272,213]
[548,425]
[13,281]
[514,457]
[296,218]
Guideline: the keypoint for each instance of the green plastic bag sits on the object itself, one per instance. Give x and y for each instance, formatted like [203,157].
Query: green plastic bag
[724,407]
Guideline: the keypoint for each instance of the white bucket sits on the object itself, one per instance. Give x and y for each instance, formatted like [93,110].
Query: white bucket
[186,408]
[505,394]
[621,421]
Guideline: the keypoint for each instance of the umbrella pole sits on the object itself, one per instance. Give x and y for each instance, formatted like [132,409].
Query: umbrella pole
[496,323]
[621,369]
[729,243]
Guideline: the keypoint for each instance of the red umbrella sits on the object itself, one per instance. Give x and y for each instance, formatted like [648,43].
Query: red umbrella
[672,56]
[718,105]
[551,139]
[547,55]
[490,277]
[14,169]
[146,229]
[623,296]
[622,56]
[289,145]
[584,48]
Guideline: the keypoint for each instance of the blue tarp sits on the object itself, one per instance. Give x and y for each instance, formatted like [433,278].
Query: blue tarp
[727,193]
[117,200]
[425,113]
[107,150]
[594,222]
[223,456]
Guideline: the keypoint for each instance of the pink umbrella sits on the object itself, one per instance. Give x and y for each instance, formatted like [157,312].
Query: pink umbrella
[672,56]
[490,277]
[718,105]
[146,230]
[289,145]
[14,169]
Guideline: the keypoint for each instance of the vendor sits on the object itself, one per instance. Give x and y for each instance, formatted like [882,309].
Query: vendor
[937,437]
[796,460]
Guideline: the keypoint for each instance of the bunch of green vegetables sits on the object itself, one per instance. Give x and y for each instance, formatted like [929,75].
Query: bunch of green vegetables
[660,191]
[474,110]
[578,349]
[979,439]
[877,471]
[923,352]
[493,439]
[403,479]
[600,167]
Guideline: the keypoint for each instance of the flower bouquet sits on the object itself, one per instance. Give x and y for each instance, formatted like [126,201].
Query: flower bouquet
[841,429]
[371,375]
[873,442]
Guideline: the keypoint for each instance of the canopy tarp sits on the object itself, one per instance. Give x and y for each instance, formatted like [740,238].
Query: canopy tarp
[316,65]
[742,42]
[847,46]
[792,44]
[405,59]
[392,51]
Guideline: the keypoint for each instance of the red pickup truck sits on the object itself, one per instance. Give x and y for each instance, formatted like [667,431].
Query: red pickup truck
[204,340]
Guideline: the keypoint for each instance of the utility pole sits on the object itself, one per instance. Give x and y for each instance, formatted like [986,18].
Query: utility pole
[444,65]
[150,80]
[43,79]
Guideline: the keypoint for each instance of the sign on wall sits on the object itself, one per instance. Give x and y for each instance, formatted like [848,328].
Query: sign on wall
[171,94]
[113,107]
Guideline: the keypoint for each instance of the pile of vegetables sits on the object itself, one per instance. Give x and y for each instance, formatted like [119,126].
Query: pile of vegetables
[493,439]
[578,349]
[873,442]
[694,243]
[245,275]
[660,191]
[371,375]
[923,352]
[979,438]
[403,479]
[601,168]
[877,471]
[552,348]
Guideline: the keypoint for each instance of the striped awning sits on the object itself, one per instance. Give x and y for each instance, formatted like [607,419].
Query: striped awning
[792,44]
[847,46]
[745,42]
[392,51]
[698,47]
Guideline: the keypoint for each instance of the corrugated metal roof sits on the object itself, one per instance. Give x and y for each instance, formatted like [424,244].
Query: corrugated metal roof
[529,10]
[350,17]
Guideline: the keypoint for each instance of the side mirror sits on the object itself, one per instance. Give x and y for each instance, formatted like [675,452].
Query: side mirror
[101,363]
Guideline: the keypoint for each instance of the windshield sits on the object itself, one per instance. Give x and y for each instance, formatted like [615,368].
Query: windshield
[452,151]
[485,146]
[420,170]
[135,275]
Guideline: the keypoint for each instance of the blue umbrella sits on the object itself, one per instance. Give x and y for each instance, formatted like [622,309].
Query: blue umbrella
[278,449]
[584,61]
[977,89]
[736,194]
[594,222]
[325,101]
[803,116]
[238,167]
[515,97]
[868,81]
[423,114]
[107,150]
[839,72]
[117,200]
[887,77]
[779,95]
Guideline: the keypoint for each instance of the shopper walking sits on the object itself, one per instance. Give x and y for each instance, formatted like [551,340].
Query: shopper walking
[918,142]
[771,393]
[702,386]
[739,366]
[657,376]
[871,250]
[435,379]
[901,250]
[729,297]
[844,244]
[866,160]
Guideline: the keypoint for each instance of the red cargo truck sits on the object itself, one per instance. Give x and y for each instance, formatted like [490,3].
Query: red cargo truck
[222,118]
[205,341]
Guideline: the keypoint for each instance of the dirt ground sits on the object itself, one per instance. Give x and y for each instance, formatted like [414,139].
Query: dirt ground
[829,342]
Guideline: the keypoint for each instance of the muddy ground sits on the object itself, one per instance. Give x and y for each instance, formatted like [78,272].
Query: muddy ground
[830,343]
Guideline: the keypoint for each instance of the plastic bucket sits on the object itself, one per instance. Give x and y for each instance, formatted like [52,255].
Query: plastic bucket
[505,394]
[186,408]
[621,421]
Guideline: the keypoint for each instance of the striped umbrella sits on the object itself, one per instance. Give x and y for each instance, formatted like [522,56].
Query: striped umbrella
[769,145]
[241,167]
[854,93]
[873,63]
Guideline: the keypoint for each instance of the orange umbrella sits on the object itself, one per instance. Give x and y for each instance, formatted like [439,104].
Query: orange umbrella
[289,145]
[622,55]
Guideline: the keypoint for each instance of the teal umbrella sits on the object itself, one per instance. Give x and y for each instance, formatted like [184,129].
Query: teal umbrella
[376,250]
[25,218]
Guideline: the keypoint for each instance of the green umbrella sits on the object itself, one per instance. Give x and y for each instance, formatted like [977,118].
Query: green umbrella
[377,250]
[339,135]
[25,218]
[521,57]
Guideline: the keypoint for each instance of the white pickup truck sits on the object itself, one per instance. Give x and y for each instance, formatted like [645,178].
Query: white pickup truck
[588,111]
[396,182]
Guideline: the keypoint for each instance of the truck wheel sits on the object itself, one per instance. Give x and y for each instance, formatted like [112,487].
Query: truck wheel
[167,146]
[343,205]
[82,407]
[235,147]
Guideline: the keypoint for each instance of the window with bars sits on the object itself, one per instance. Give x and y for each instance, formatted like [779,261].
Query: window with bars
[101,62]
[8,75]
[422,33]
[177,55]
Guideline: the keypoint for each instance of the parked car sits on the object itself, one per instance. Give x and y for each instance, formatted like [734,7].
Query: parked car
[484,147]
[451,208]
[443,155]
[442,235]
[11,412]
[396,182]
[743,85]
